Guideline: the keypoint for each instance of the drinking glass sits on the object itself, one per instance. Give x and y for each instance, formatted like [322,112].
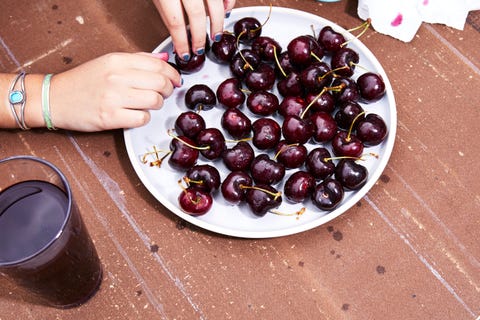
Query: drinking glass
[45,248]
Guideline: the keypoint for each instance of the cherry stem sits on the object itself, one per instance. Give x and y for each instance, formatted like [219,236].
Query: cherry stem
[297,213]
[278,62]
[240,140]
[246,91]
[273,194]
[313,31]
[158,161]
[283,148]
[316,57]
[268,18]
[189,181]
[361,158]
[247,65]
[358,65]
[351,125]
[181,185]
[325,89]
[186,143]
[194,201]
[342,157]
[332,71]
[364,25]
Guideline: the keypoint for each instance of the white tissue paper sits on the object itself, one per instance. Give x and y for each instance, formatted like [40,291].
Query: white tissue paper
[402,18]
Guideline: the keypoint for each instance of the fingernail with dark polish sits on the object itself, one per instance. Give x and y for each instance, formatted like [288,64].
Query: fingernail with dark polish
[200,51]
[218,37]
[227,14]
[185,57]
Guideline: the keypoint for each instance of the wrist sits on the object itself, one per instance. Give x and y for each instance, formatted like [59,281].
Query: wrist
[33,107]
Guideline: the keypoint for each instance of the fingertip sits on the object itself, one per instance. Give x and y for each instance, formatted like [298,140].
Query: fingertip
[161,55]
[178,83]
[143,119]
[228,6]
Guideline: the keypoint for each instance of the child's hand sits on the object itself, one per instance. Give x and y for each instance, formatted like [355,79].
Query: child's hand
[173,12]
[116,90]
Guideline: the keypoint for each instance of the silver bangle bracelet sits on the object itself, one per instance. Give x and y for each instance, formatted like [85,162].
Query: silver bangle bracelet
[18,97]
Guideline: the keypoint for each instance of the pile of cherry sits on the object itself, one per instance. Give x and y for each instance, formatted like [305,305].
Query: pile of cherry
[319,104]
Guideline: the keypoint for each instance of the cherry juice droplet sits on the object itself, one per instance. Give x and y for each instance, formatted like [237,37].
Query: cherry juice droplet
[397,21]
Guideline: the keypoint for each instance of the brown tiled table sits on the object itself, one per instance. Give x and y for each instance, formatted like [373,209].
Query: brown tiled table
[408,250]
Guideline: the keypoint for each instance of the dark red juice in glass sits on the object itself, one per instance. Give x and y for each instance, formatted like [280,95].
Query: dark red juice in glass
[44,246]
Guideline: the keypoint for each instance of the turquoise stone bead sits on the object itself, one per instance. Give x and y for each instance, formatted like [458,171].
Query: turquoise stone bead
[16,97]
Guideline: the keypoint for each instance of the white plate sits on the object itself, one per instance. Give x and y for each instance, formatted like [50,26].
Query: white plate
[238,221]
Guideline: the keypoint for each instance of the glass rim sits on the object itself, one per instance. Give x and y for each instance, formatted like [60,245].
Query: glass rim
[68,214]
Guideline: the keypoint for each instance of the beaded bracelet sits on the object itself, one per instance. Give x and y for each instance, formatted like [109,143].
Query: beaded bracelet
[18,97]
[46,102]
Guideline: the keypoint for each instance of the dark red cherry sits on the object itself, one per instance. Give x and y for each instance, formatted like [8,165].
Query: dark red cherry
[328,194]
[371,130]
[315,77]
[233,187]
[266,133]
[223,51]
[260,78]
[236,123]
[297,130]
[266,47]
[325,102]
[319,163]
[247,29]
[345,144]
[324,125]
[284,66]
[262,199]
[318,51]
[211,143]
[262,103]
[266,171]
[230,94]
[349,93]
[194,201]
[183,156]
[196,61]
[194,64]
[330,39]
[299,187]
[371,86]
[203,176]
[243,62]
[189,124]
[344,61]
[292,106]
[200,96]
[300,51]
[351,174]
[290,85]
[291,155]
[347,112]
[239,157]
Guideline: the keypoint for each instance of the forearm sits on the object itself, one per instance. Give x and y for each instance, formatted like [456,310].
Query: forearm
[33,105]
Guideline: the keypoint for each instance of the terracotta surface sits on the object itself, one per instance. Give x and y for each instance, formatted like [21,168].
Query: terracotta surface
[408,250]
